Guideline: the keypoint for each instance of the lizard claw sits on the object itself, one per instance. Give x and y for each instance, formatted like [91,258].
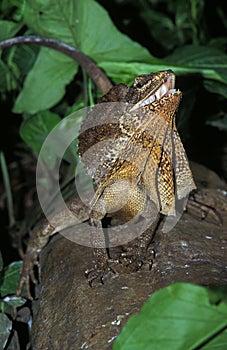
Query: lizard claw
[27,273]
[99,272]
[143,259]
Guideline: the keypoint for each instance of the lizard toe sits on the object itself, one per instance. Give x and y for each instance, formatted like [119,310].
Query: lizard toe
[99,273]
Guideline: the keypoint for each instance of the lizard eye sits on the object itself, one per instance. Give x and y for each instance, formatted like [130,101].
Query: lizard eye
[140,84]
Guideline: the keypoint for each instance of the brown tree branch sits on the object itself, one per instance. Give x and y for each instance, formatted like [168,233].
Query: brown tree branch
[95,73]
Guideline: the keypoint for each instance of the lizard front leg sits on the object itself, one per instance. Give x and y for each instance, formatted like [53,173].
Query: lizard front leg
[101,258]
[138,253]
[126,202]
[115,199]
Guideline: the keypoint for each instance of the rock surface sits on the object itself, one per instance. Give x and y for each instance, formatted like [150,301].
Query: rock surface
[70,315]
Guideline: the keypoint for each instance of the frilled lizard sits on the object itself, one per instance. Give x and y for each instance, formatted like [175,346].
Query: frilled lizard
[138,164]
[130,146]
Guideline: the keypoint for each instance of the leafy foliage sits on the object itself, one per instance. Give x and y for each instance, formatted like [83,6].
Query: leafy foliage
[181,316]
[9,278]
[86,25]
[40,85]
[35,129]
[46,82]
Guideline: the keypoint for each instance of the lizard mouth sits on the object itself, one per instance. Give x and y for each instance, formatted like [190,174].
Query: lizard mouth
[166,88]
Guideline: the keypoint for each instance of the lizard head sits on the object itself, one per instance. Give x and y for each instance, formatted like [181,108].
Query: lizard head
[156,92]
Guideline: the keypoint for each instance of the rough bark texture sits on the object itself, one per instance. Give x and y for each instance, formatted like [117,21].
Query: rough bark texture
[71,315]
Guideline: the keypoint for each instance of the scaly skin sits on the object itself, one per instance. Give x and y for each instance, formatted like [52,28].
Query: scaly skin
[139,173]
[137,152]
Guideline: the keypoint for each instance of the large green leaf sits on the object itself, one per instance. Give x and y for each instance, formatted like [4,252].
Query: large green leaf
[45,83]
[87,26]
[198,56]
[124,72]
[210,62]
[179,317]
[83,24]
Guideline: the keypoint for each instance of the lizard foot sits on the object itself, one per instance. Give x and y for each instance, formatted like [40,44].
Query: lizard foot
[27,273]
[100,271]
[143,259]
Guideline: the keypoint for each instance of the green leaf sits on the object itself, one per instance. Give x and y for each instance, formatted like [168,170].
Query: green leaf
[8,6]
[11,278]
[220,123]
[17,62]
[199,56]
[161,27]
[83,24]
[23,57]
[175,318]
[218,294]
[216,87]
[45,83]
[209,61]
[10,302]
[5,329]
[218,343]
[36,128]
[126,72]
[8,29]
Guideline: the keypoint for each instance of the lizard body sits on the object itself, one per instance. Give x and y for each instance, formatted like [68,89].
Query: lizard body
[138,155]
[138,165]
